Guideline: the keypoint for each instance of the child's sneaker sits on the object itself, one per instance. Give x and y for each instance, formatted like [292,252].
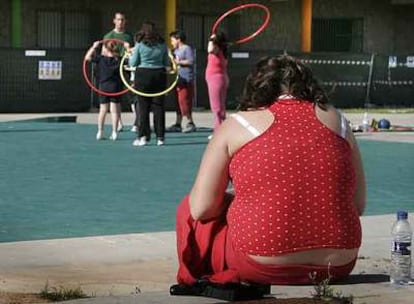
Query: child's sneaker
[99,135]
[113,136]
[140,142]
[190,127]
[160,142]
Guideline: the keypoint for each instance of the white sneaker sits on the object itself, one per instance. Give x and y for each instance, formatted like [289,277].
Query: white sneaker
[190,127]
[113,136]
[134,129]
[99,135]
[140,142]
[160,142]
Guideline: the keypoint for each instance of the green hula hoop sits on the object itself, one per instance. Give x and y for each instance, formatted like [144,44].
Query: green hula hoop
[121,72]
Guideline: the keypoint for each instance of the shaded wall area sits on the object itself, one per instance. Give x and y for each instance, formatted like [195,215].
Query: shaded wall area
[102,12]
[282,32]
[387,26]
[5,23]
[387,30]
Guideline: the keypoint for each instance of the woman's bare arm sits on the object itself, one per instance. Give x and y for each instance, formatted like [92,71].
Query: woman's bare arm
[207,197]
[89,53]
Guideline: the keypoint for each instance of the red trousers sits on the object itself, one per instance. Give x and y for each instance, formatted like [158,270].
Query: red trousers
[185,98]
[205,251]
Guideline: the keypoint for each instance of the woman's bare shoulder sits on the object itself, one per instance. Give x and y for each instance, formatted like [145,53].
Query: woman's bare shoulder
[234,133]
[328,115]
[227,127]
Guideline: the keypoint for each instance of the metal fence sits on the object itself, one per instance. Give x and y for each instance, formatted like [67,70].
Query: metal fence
[352,80]
[22,88]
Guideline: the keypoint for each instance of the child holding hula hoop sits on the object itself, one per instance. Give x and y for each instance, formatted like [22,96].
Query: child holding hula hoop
[109,81]
[216,76]
[150,58]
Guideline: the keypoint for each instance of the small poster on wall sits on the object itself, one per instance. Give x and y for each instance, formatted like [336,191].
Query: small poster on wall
[50,70]
[392,61]
[410,61]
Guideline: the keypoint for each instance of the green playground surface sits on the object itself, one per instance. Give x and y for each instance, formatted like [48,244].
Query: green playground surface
[59,182]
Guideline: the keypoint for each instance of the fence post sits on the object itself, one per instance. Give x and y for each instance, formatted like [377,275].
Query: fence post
[195,100]
[92,93]
[369,81]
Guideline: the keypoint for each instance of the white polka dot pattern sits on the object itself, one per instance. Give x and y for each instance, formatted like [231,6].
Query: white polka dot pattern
[294,186]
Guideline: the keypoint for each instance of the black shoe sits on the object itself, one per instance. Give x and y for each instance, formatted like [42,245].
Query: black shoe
[227,292]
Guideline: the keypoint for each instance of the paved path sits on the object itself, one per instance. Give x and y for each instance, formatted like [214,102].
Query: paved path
[120,269]
[139,268]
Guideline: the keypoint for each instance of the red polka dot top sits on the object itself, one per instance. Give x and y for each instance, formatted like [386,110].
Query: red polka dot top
[294,186]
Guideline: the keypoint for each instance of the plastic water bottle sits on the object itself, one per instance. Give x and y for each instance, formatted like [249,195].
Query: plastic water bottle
[400,270]
[365,122]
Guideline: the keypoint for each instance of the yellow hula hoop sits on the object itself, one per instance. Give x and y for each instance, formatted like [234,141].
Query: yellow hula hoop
[121,73]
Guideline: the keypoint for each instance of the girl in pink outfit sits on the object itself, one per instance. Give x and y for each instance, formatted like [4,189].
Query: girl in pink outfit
[216,76]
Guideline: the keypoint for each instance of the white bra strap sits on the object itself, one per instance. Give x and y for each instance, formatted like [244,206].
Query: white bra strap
[246,124]
[286,96]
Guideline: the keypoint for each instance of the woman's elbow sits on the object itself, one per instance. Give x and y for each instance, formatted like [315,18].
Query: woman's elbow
[195,214]
[193,208]
[196,210]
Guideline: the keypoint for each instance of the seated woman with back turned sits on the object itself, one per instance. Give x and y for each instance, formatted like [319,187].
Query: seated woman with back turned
[299,188]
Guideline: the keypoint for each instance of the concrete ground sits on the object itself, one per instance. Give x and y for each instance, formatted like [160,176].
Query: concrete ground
[139,268]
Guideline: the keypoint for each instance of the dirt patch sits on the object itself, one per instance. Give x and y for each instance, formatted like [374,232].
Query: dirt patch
[25,298]
[21,298]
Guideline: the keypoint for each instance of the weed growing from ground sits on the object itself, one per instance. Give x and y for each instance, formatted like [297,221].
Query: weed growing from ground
[62,293]
[324,291]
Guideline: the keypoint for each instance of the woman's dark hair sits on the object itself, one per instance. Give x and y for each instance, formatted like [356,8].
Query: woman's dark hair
[148,34]
[178,34]
[220,40]
[275,76]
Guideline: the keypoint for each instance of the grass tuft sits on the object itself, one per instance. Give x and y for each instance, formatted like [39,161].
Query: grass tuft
[325,292]
[62,293]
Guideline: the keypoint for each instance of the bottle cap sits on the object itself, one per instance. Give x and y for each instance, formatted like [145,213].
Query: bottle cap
[402,215]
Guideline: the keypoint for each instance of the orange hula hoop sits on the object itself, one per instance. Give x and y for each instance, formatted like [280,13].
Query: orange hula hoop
[239,8]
